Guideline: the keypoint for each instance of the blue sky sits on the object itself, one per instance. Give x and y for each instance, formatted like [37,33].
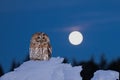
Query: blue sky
[97,20]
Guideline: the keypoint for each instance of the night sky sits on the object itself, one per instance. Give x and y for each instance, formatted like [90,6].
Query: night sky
[97,20]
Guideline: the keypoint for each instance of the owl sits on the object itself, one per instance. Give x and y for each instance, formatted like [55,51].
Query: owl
[40,48]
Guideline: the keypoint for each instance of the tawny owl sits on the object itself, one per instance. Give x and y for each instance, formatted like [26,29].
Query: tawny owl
[40,48]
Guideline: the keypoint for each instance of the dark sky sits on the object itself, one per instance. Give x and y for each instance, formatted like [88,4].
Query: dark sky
[97,20]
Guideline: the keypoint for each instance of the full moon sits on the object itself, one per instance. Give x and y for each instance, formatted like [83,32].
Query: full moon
[75,38]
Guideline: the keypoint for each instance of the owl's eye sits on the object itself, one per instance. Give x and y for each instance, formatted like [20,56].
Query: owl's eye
[38,37]
[43,34]
[43,37]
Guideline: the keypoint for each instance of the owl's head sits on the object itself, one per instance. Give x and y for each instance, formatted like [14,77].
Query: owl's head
[40,37]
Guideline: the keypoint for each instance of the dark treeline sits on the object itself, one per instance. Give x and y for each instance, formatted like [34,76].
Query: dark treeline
[14,65]
[88,67]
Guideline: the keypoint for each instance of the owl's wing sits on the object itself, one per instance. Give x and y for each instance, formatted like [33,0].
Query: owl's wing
[49,49]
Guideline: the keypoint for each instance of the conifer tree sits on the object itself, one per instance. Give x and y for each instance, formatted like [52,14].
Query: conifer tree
[89,67]
[115,65]
[26,58]
[103,62]
[1,71]
[14,65]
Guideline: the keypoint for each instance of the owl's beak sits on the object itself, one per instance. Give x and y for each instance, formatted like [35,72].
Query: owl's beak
[39,40]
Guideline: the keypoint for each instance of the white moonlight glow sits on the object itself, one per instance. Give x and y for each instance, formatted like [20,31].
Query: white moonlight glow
[75,38]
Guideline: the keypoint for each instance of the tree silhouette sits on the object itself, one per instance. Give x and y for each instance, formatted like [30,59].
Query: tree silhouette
[14,65]
[75,62]
[115,65]
[1,71]
[89,68]
[26,58]
[65,60]
[103,63]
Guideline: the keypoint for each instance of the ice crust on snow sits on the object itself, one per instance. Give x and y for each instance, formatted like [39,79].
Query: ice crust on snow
[106,75]
[52,69]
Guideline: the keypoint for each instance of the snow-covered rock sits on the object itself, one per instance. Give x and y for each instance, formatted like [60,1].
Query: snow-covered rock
[53,69]
[106,75]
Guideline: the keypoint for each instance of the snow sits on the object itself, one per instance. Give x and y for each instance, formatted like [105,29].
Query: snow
[106,75]
[52,69]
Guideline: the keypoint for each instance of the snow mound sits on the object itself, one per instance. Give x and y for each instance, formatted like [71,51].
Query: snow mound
[53,69]
[106,75]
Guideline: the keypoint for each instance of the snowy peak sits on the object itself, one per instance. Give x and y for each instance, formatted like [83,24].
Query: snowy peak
[52,69]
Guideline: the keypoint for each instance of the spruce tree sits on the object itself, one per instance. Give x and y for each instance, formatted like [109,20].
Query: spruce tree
[1,71]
